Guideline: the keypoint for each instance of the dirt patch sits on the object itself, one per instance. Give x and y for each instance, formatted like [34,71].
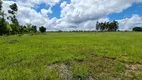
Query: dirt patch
[133,69]
[123,58]
[133,66]
[90,78]
[64,71]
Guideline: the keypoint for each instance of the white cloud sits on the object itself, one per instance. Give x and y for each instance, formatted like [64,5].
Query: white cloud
[26,13]
[78,14]
[129,23]
[83,14]
[33,3]
[82,10]
[44,12]
[63,4]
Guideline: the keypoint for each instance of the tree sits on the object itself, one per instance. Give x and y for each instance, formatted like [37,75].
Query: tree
[137,29]
[3,28]
[15,29]
[34,28]
[15,23]
[107,26]
[0,5]
[25,29]
[115,25]
[97,26]
[29,27]
[42,29]
[14,9]
[9,29]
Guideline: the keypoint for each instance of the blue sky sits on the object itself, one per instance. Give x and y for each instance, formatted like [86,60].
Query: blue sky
[78,14]
[136,8]
[55,9]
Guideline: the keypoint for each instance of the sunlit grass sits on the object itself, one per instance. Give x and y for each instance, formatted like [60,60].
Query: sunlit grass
[100,55]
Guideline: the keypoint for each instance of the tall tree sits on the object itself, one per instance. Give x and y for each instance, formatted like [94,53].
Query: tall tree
[115,24]
[14,9]
[15,23]
[3,28]
[0,5]
[107,26]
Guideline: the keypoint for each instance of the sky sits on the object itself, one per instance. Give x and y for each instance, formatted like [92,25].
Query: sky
[77,14]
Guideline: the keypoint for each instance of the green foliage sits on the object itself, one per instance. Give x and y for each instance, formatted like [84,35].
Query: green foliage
[15,28]
[120,67]
[0,5]
[9,29]
[107,26]
[80,72]
[3,28]
[15,24]
[25,29]
[137,29]
[34,28]
[6,28]
[29,27]
[14,7]
[42,29]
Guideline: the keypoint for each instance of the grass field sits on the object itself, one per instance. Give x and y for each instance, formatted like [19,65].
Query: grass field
[72,56]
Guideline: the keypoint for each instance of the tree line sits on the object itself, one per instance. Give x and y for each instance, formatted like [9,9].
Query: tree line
[9,23]
[107,26]
[137,29]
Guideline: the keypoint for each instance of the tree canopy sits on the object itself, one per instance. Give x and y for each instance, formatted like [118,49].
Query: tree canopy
[107,26]
[137,29]
[13,27]
[42,29]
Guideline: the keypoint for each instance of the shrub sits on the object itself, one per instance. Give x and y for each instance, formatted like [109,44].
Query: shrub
[9,29]
[34,29]
[137,29]
[42,29]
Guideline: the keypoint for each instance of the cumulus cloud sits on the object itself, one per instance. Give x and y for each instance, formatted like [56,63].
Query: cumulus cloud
[76,15]
[82,10]
[83,14]
[27,14]
[45,11]
[63,4]
[130,23]
[33,3]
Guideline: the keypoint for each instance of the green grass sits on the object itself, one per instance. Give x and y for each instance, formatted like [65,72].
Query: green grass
[100,55]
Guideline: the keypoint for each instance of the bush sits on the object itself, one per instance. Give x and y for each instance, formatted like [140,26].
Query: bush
[9,29]
[34,29]
[137,29]
[42,29]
